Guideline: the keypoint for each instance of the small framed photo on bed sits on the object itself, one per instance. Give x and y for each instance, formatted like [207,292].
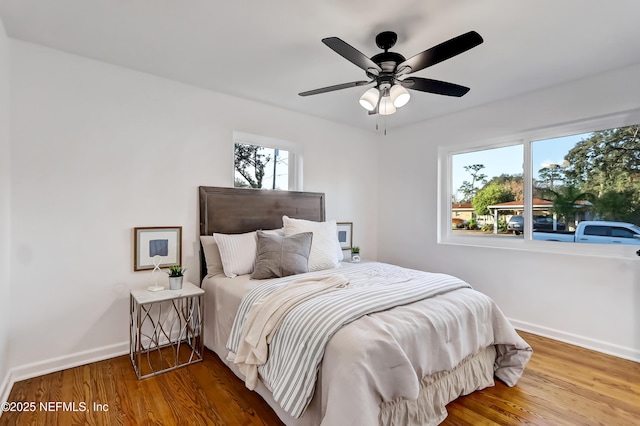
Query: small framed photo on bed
[345,235]
[163,241]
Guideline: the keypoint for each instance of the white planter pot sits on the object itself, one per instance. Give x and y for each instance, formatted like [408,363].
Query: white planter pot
[175,283]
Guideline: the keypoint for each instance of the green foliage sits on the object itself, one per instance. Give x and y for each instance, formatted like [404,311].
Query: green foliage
[250,164]
[549,176]
[469,189]
[176,271]
[609,160]
[566,201]
[473,224]
[514,183]
[490,194]
[502,226]
[355,250]
[621,205]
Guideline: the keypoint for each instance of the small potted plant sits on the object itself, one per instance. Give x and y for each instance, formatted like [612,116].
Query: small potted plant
[355,254]
[176,272]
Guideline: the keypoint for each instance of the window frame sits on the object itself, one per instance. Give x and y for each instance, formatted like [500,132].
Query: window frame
[293,148]
[526,138]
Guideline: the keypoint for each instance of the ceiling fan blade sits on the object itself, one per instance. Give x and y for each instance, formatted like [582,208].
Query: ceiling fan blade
[351,54]
[440,52]
[434,86]
[335,87]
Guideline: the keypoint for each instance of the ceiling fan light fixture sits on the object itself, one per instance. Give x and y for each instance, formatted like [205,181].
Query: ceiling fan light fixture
[399,95]
[369,99]
[386,106]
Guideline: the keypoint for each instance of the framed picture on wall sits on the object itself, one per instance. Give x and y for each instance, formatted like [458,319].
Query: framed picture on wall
[163,241]
[345,235]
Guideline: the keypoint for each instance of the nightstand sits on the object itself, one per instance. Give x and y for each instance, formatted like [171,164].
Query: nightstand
[165,329]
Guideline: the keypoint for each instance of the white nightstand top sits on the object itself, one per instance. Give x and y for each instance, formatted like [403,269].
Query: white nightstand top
[143,296]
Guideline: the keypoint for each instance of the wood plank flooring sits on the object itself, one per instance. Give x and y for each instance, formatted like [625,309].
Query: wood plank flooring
[562,385]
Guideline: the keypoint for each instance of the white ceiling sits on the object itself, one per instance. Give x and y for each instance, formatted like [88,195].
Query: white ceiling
[270,51]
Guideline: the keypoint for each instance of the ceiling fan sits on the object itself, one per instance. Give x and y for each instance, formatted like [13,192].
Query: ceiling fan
[388,70]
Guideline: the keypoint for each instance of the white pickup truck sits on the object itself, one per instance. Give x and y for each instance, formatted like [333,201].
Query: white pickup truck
[595,232]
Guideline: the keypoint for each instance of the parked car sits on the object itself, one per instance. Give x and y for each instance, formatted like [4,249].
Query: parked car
[596,232]
[546,223]
[516,224]
[457,223]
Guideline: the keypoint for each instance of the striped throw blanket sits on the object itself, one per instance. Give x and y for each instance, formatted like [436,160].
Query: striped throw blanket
[297,344]
[265,316]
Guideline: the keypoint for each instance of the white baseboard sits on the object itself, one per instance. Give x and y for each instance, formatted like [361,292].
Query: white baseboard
[5,389]
[582,341]
[86,357]
[58,364]
[68,361]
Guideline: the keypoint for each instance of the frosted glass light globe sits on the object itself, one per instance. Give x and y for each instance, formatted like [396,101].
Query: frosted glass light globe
[399,95]
[369,99]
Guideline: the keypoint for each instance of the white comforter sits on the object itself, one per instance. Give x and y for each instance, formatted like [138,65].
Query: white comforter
[381,358]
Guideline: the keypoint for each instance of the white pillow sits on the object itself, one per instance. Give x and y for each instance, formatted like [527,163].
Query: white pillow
[279,232]
[211,255]
[237,252]
[325,248]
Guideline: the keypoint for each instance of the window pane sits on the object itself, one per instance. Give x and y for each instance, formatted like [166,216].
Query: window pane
[591,176]
[486,185]
[601,231]
[260,167]
[622,233]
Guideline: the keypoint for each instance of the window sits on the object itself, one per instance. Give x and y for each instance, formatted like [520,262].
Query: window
[589,176]
[599,231]
[551,180]
[266,163]
[483,182]
[622,233]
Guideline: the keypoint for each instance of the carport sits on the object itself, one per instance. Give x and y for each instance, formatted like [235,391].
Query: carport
[539,205]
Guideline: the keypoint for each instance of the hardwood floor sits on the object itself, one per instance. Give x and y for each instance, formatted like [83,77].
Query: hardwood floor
[562,385]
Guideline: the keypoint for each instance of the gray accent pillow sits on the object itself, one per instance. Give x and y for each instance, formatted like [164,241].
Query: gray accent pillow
[279,256]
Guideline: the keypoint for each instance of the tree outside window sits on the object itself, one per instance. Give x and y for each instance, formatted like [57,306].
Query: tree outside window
[260,167]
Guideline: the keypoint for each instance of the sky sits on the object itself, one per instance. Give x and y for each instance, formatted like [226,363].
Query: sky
[509,160]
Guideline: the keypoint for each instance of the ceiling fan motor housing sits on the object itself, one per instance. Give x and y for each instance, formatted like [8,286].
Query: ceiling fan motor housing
[386,40]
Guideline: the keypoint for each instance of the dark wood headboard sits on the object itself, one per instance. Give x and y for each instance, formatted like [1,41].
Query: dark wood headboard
[239,210]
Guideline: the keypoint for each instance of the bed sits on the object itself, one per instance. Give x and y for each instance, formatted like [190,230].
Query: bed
[391,366]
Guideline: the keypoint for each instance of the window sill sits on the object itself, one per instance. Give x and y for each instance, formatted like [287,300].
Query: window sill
[574,249]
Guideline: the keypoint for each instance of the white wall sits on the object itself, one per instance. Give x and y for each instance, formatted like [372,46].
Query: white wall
[98,150]
[591,301]
[5,179]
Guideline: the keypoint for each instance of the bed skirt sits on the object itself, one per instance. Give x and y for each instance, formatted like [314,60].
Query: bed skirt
[437,390]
